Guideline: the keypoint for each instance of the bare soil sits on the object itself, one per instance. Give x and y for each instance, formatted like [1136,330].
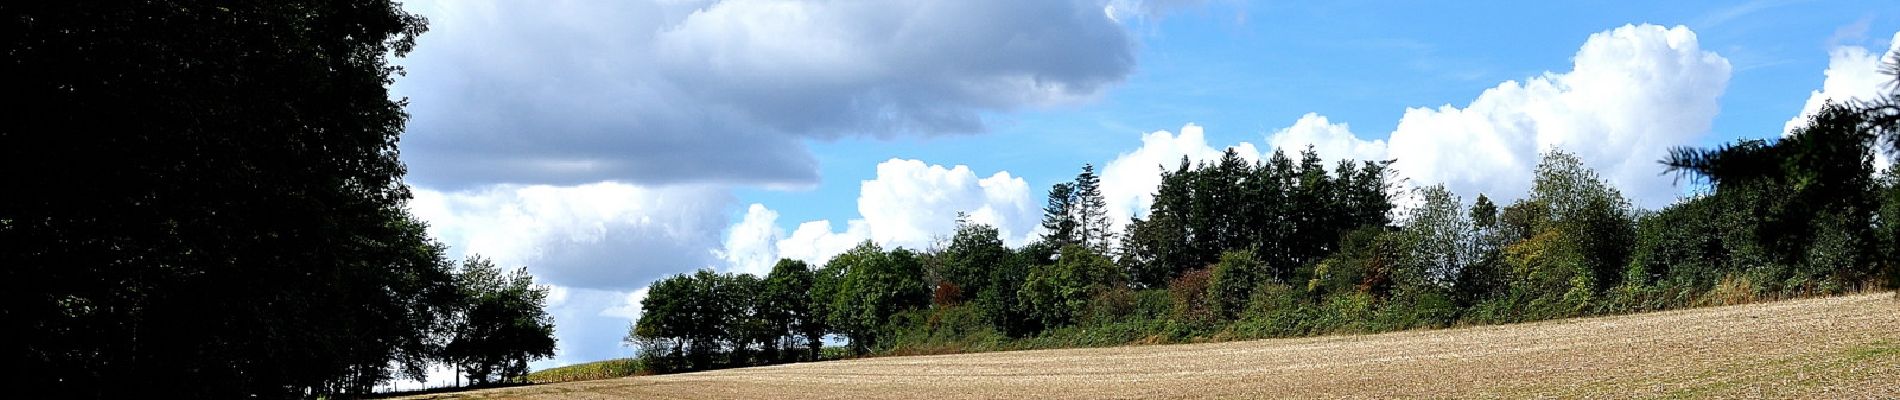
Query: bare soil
[1839,347]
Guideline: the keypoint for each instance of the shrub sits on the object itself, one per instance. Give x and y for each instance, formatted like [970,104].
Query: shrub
[1731,290]
[1152,305]
[1109,306]
[1188,293]
[1230,284]
[1424,309]
[948,329]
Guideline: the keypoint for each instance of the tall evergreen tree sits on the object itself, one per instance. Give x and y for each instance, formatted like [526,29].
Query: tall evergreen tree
[1091,212]
[1058,216]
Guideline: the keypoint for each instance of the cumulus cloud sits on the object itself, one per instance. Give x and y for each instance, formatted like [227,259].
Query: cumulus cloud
[727,91]
[1129,181]
[749,243]
[1633,92]
[910,204]
[910,201]
[1332,141]
[1853,74]
[609,236]
[596,246]
[814,242]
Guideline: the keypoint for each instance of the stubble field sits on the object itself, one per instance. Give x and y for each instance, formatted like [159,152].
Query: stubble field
[1840,347]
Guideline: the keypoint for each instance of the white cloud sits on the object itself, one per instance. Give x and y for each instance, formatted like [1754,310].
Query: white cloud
[909,204]
[815,243]
[1129,181]
[596,246]
[1853,74]
[603,235]
[1634,92]
[1332,141]
[748,246]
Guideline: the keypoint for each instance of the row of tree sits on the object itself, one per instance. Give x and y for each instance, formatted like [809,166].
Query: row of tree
[205,201]
[1233,248]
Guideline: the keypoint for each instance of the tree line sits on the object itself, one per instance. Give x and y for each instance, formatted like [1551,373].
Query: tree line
[1238,249]
[205,201]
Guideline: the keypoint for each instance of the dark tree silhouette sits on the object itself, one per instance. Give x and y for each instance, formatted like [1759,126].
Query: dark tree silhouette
[205,200]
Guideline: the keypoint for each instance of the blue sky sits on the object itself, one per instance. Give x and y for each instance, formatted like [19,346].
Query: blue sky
[606,144]
[1244,69]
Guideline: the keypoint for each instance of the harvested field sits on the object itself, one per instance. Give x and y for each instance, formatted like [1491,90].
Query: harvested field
[1841,347]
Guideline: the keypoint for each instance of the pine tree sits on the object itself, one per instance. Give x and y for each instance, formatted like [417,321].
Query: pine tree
[1091,211]
[1058,218]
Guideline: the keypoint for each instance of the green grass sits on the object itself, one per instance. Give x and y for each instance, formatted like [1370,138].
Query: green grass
[1876,349]
[589,371]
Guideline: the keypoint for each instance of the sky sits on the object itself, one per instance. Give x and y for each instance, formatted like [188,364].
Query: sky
[606,144]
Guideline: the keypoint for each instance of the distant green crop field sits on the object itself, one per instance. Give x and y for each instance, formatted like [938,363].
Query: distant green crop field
[589,371]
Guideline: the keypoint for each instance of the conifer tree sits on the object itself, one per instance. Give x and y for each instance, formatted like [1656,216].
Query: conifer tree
[1090,211]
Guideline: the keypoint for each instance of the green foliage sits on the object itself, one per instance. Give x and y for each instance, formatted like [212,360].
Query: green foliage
[1231,283]
[1289,215]
[1055,295]
[1077,214]
[989,274]
[1426,309]
[679,326]
[787,307]
[499,325]
[1091,212]
[1595,222]
[1058,217]
[873,285]
[208,201]
[1483,275]
[1437,241]
[1367,262]
[1809,196]
[950,329]
[1887,225]
[1151,249]
[709,320]
[1555,253]
[1187,295]
[1234,249]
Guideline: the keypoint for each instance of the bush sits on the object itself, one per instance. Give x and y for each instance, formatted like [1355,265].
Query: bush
[1340,313]
[1426,309]
[1731,290]
[1188,294]
[948,329]
[1273,311]
[1109,306]
[1152,305]
[1057,295]
[1230,285]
